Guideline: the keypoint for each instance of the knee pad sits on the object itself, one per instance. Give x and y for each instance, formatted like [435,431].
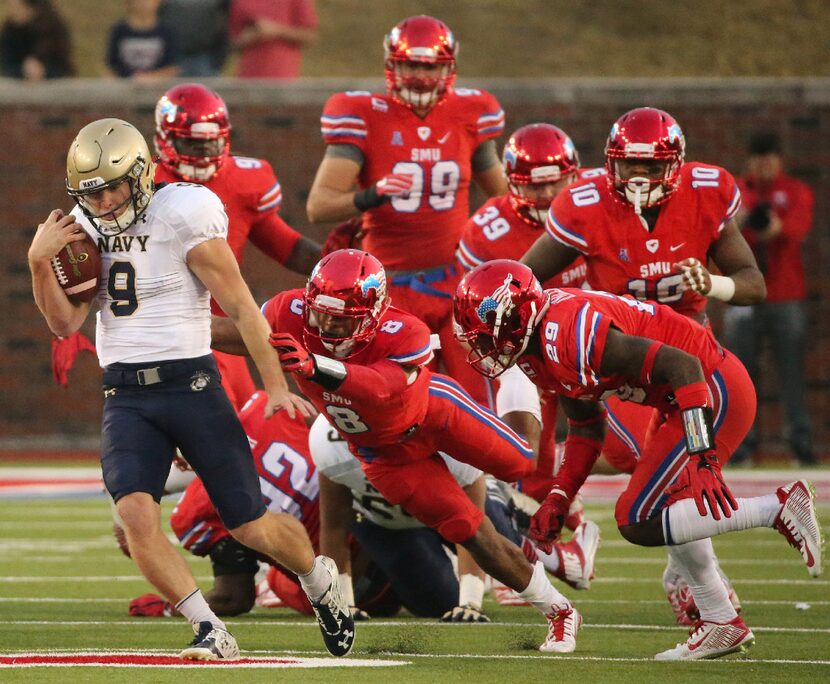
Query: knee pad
[460,529]
[229,557]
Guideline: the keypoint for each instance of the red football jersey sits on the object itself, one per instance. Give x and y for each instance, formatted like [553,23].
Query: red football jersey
[498,231]
[287,475]
[436,150]
[572,337]
[287,479]
[252,196]
[623,256]
[363,421]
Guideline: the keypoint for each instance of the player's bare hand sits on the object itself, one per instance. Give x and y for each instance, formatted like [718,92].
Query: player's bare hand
[57,231]
[280,399]
[696,276]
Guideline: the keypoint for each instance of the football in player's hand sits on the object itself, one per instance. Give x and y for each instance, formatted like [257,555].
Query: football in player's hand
[78,269]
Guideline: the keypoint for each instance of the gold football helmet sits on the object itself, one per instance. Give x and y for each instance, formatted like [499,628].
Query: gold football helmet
[104,154]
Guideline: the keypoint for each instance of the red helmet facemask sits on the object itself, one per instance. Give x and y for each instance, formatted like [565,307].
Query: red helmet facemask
[344,300]
[420,61]
[192,132]
[645,136]
[535,157]
[496,308]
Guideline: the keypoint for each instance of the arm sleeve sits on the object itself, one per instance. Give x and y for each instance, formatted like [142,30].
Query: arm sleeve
[274,237]
[485,156]
[381,380]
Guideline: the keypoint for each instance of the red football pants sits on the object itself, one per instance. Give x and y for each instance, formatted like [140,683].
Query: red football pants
[413,475]
[664,454]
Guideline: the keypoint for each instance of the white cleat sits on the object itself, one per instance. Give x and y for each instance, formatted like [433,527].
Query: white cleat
[712,640]
[798,522]
[563,625]
[683,603]
[576,557]
[211,643]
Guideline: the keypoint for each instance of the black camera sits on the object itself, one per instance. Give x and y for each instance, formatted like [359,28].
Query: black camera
[759,218]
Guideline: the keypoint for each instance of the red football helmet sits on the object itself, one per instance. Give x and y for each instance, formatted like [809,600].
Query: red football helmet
[536,157]
[192,132]
[645,133]
[414,42]
[344,300]
[496,308]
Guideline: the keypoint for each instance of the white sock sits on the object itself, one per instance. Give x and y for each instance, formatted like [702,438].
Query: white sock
[682,523]
[541,593]
[697,563]
[196,610]
[317,581]
[549,560]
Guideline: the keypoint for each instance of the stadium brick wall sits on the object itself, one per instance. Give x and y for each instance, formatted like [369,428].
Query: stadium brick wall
[281,124]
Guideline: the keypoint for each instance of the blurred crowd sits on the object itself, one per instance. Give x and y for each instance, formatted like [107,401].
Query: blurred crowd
[158,39]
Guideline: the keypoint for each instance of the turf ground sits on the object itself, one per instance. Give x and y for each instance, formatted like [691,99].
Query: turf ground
[64,589]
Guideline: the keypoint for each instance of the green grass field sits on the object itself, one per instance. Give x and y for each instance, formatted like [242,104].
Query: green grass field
[64,587]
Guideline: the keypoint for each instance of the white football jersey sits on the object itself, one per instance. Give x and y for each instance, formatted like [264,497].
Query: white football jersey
[151,306]
[333,459]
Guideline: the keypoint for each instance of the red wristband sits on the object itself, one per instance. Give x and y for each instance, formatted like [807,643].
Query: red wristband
[648,362]
[693,395]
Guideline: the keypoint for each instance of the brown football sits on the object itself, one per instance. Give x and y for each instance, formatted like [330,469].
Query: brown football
[78,269]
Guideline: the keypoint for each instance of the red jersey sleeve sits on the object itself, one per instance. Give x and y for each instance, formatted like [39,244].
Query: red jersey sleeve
[489,116]
[405,340]
[578,338]
[284,312]
[563,222]
[344,120]
[719,193]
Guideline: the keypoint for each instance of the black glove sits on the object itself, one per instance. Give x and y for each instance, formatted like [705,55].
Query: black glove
[466,613]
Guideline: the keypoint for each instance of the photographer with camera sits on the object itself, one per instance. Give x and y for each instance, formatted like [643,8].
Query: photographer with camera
[776,217]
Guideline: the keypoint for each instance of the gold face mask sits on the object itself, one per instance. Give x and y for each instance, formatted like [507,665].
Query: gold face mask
[104,154]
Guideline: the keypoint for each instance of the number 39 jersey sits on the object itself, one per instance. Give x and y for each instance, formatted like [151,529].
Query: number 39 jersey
[623,257]
[435,150]
[334,460]
[363,420]
[152,307]
[572,337]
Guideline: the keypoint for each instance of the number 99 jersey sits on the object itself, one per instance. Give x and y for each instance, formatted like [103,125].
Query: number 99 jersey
[624,257]
[435,150]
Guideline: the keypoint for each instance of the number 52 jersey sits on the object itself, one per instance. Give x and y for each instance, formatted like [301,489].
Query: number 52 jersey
[623,256]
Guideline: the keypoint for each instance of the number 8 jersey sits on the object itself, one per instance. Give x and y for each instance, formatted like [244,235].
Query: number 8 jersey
[152,307]
[623,256]
[435,150]
[361,418]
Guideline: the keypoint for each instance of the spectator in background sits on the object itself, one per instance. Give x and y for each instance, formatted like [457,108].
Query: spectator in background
[140,46]
[34,42]
[200,34]
[270,36]
[776,217]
